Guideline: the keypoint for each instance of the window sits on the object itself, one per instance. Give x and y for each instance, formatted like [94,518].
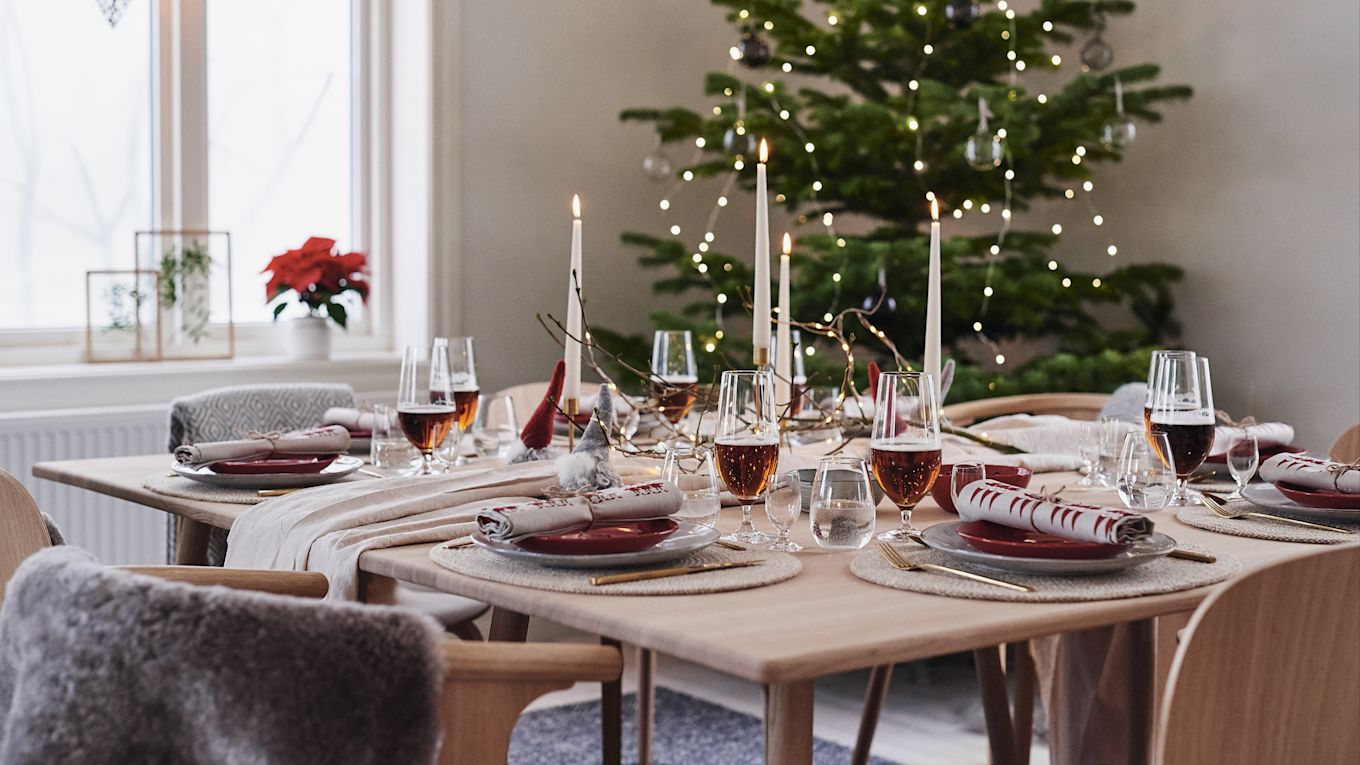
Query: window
[84,144]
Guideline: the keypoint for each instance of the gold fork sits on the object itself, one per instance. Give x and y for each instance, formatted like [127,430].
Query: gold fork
[1220,509]
[900,563]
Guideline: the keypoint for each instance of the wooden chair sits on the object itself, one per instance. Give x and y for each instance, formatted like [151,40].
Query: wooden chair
[1347,446]
[486,685]
[1077,406]
[1268,670]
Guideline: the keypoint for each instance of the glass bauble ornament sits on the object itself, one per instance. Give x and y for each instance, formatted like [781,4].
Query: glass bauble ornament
[755,52]
[962,13]
[657,165]
[743,143]
[1097,54]
[1118,132]
[984,150]
[889,304]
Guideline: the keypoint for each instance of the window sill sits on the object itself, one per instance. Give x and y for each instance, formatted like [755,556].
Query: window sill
[80,386]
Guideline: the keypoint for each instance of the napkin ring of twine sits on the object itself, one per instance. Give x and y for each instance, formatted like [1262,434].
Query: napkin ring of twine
[557,492]
[1338,469]
[1242,424]
[271,436]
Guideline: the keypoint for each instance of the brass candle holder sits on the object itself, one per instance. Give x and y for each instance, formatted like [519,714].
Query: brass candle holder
[571,407]
[761,357]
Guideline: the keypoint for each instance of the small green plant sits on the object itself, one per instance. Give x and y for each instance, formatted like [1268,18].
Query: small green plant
[176,264]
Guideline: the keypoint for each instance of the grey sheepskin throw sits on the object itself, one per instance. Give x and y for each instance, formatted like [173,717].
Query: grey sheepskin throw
[100,666]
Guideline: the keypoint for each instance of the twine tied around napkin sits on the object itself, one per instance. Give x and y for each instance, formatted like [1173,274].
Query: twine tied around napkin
[1242,424]
[1338,469]
[572,512]
[271,436]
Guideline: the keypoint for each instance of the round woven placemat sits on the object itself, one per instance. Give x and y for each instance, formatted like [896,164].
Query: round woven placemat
[476,562]
[1202,517]
[175,486]
[1160,576]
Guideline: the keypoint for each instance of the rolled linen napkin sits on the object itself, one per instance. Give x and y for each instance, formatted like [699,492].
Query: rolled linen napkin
[1021,509]
[348,418]
[332,439]
[639,502]
[1312,473]
[1268,436]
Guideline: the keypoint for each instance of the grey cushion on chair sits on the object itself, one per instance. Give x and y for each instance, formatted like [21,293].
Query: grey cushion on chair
[103,666]
[1126,403]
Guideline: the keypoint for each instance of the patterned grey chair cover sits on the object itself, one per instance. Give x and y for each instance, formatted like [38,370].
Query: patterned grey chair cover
[222,414]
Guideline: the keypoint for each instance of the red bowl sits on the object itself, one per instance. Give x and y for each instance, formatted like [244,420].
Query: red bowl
[1019,543]
[603,538]
[1011,474]
[1327,498]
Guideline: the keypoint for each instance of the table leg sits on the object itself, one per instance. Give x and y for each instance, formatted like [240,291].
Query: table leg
[611,715]
[879,680]
[995,704]
[191,543]
[1142,668]
[1023,703]
[508,626]
[646,704]
[788,723]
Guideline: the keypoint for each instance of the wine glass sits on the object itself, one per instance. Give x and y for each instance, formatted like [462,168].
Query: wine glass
[461,373]
[675,381]
[1145,481]
[426,413]
[842,507]
[495,426]
[1182,407]
[783,505]
[905,445]
[700,500]
[747,443]
[1244,456]
[963,474]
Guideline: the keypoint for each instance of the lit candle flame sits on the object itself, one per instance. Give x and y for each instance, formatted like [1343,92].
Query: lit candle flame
[934,209]
[764,151]
[576,206]
[788,243]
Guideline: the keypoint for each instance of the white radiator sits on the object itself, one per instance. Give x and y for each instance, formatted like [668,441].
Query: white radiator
[114,530]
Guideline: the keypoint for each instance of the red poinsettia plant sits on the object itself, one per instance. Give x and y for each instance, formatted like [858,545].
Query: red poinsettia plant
[317,273]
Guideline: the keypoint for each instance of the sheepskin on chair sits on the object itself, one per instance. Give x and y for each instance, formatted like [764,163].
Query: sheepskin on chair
[99,666]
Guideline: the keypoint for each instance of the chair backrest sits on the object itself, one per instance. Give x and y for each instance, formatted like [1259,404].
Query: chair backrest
[1347,447]
[1269,669]
[131,668]
[526,397]
[22,530]
[1078,406]
[222,414]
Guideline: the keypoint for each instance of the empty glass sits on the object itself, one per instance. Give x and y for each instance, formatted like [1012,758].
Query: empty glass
[388,447]
[495,427]
[674,381]
[1088,448]
[1144,480]
[963,474]
[842,508]
[783,505]
[697,480]
[1243,458]
[1107,452]
[816,417]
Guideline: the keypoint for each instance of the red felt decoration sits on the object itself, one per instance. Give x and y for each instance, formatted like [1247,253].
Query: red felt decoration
[873,380]
[538,431]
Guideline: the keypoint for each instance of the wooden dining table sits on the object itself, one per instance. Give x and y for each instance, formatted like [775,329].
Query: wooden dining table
[782,636]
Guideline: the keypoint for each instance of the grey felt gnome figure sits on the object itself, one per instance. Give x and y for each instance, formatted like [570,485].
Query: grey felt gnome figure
[587,467]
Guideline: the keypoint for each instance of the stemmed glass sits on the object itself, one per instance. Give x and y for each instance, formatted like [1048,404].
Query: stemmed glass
[905,445]
[461,374]
[842,511]
[675,381]
[426,413]
[747,443]
[1243,458]
[1182,407]
[1144,480]
[783,505]
[961,475]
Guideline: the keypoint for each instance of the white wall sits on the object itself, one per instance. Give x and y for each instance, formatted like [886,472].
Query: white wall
[1252,186]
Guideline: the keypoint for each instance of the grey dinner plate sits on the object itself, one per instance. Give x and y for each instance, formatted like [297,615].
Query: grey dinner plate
[1265,495]
[690,537]
[945,538]
[343,466]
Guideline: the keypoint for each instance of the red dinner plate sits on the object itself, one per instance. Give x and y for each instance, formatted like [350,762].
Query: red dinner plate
[1335,500]
[308,463]
[1018,543]
[1269,451]
[603,538]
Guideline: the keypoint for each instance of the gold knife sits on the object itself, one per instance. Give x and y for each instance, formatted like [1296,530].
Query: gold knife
[277,492]
[1191,555]
[661,573]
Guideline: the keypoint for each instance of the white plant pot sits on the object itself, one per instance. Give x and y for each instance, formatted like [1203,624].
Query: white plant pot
[310,338]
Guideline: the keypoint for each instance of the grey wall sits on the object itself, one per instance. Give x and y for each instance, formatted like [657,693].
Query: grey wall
[1253,186]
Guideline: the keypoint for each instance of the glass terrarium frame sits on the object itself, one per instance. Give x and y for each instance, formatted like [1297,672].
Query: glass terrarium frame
[193,268]
[105,313]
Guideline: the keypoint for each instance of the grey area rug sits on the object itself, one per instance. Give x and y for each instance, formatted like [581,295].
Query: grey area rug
[688,732]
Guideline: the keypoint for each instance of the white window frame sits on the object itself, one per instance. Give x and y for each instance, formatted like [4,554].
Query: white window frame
[180,176]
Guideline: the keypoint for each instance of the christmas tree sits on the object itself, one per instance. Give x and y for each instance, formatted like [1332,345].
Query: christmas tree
[875,107]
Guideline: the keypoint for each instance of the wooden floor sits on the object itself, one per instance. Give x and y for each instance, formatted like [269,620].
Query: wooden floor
[931,717]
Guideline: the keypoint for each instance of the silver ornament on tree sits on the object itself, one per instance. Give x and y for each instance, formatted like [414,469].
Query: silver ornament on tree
[962,13]
[1097,54]
[656,165]
[983,149]
[889,304]
[752,50]
[738,140]
[1119,131]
